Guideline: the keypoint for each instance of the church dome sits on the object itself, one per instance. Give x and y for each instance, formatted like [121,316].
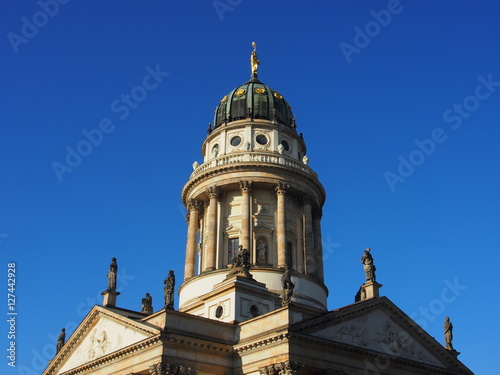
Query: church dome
[254,100]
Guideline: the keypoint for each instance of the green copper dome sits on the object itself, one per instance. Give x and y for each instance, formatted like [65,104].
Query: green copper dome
[254,100]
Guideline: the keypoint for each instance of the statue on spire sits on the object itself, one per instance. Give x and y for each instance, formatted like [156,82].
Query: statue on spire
[254,61]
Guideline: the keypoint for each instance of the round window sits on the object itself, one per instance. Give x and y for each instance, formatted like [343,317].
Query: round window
[285,145]
[218,312]
[235,141]
[261,139]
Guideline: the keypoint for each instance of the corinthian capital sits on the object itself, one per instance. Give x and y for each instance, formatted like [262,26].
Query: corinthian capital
[213,192]
[281,188]
[193,204]
[245,186]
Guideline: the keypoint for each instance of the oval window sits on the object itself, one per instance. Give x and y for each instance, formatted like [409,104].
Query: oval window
[215,150]
[261,139]
[254,311]
[235,141]
[285,145]
[218,312]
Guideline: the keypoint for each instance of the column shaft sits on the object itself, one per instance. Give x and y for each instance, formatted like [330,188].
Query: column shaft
[308,236]
[211,250]
[189,267]
[300,247]
[318,246]
[281,224]
[245,214]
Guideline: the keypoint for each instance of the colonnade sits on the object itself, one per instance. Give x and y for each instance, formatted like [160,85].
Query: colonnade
[309,251]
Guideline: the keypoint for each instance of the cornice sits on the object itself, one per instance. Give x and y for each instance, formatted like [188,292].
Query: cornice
[112,357]
[185,339]
[250,166]
[367,353]
[273,340]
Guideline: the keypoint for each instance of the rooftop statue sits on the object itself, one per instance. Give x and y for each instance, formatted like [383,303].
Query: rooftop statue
[368,265]
[254,61]
[60,340]
[448,333]
[147,304]
[168,290]
[113,270]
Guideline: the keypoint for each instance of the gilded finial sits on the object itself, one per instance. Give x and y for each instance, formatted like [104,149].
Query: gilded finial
[254,61]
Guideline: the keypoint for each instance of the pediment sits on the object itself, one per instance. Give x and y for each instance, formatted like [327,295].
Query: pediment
[380,332]
[101,333]
[263,227]
[377,325]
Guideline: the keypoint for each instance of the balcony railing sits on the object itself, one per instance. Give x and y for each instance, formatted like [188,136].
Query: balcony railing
[254,157]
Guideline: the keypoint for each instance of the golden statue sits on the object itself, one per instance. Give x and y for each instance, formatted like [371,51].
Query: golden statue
[254,61]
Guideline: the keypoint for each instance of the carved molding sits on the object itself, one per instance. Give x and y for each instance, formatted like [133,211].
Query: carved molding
[166,368]
[283,368]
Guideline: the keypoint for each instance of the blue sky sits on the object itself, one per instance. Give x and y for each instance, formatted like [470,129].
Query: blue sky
[398,103]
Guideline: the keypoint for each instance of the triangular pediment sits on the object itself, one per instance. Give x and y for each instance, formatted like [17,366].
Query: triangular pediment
[377,325]
[263,227]
[102,332]
[379,332]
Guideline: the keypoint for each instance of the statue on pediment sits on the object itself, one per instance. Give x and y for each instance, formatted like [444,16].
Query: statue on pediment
[448,333]
[112,275]
[368,265]
[147,304]
[168,290]
[60,340]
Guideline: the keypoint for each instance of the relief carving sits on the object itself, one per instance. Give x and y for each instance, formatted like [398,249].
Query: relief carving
[99,344]
[397,342]
[358,335]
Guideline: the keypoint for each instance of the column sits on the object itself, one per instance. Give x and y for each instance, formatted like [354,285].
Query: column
[191,243]
[210,251]
[281,224]
[318,246]
[308,236]
[300,246]
[245,214]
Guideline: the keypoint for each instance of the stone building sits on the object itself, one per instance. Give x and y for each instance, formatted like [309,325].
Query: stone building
[253,298]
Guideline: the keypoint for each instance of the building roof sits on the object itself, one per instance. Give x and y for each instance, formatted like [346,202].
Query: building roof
[254,100]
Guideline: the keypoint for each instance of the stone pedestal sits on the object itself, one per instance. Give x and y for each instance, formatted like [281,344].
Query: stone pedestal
[371,289]
[454,352]
[239,271]
[109,299]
